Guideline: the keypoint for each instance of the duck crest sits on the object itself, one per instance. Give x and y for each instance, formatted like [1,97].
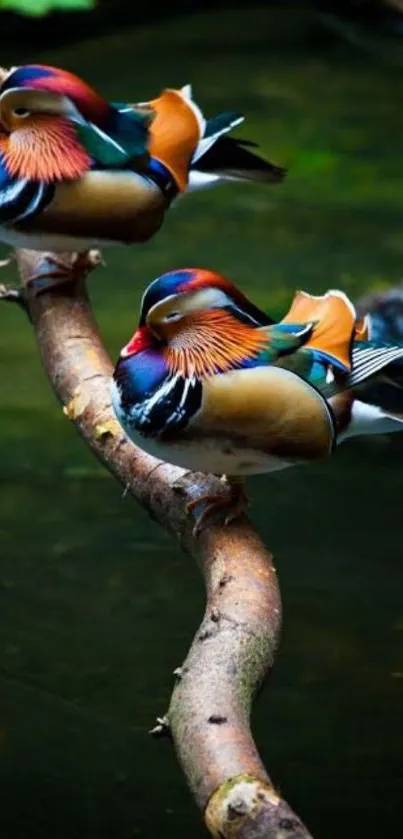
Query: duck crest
[212,342]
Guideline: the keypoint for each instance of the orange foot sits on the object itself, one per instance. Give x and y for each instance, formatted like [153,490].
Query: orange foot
[235,502]
[59,270]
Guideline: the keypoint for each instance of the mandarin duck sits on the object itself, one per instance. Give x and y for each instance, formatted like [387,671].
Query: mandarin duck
[77,171]
[211,383]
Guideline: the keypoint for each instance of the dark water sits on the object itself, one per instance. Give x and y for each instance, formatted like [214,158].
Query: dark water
[98,606]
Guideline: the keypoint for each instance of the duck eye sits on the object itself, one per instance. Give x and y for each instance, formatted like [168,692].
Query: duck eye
[21,112]
[173,316]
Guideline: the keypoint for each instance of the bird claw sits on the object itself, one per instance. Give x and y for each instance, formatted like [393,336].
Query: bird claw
[13,295]
[65,271]
[236,502]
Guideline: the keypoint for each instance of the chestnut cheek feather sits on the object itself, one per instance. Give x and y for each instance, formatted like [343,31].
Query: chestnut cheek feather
[44,149]
[212,342]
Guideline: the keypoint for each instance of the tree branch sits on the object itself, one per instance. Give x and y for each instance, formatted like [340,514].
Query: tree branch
[208,716]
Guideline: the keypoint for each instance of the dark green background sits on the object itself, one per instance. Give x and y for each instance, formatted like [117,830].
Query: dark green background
[98,606]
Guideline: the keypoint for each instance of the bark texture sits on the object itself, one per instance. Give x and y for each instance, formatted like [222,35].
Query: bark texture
[234,648]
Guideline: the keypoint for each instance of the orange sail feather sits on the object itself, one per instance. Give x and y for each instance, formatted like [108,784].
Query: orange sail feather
[335,321]
[174,133]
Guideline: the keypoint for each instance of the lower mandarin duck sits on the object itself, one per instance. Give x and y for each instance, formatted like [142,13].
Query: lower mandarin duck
[78,172]
[211,383]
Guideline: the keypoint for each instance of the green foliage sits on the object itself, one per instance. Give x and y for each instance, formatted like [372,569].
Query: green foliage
[36,8]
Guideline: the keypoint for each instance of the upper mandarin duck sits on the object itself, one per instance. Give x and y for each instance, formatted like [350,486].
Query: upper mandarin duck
[77,171]
[211,383]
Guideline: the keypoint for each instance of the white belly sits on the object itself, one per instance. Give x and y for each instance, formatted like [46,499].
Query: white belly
[49,242]
[216,456]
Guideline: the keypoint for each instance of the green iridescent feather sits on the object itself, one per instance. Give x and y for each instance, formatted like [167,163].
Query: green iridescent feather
[284,339]
[285,348]
[369,360]
[125,145]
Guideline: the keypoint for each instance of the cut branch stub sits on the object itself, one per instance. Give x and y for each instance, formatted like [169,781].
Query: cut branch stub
[247,808]
[234,648]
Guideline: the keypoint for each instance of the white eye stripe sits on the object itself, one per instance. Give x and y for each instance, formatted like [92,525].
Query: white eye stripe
[196,300]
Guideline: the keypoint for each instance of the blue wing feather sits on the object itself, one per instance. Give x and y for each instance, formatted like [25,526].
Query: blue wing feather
[152,398]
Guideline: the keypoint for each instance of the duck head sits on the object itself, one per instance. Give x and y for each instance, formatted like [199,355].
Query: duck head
[39,108]
[199,321]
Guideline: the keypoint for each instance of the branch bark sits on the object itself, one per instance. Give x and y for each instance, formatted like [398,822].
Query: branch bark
[234,648]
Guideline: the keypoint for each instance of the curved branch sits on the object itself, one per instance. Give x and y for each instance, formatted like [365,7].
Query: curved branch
[234,647]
